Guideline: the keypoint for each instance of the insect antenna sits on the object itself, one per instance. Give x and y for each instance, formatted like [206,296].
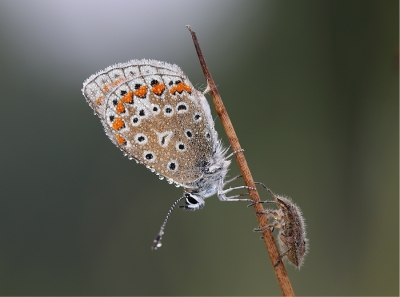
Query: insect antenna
[157,241]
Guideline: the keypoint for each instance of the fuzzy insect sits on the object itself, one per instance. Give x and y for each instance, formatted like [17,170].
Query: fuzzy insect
[292,235]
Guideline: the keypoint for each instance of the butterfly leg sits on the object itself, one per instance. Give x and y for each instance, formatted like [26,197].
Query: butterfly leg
[223,197]
[266,201]
[234,153]
[222,194]
[232,179]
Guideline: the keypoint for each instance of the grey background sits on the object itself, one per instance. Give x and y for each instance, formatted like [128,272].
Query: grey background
[312,90]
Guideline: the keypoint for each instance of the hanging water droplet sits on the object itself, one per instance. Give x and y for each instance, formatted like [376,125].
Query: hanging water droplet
[161,177]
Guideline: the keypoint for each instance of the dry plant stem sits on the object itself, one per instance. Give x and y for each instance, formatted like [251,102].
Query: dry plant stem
[279,270]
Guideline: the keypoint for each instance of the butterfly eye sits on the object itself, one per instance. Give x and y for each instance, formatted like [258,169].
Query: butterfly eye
[193,202]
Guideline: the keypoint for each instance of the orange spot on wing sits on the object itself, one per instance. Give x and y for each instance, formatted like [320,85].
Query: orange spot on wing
[128,98]
[180,88]
[114,83]
[187,88]
[121,140]
[141,92]
[118,124]
[98,100]
[118,81]
[173,89]
[120,107]
[158,89]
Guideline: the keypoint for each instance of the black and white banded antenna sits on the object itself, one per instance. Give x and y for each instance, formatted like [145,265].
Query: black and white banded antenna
[157,241]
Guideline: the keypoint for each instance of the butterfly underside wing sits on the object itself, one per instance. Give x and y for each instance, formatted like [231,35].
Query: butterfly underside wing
[151,111]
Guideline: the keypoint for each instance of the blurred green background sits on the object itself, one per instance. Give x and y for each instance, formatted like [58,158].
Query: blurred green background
[312,88]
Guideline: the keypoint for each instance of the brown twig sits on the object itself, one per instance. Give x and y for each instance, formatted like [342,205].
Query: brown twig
[280,270]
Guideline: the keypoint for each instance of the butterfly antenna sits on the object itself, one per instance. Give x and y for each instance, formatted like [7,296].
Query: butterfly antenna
[157,241]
